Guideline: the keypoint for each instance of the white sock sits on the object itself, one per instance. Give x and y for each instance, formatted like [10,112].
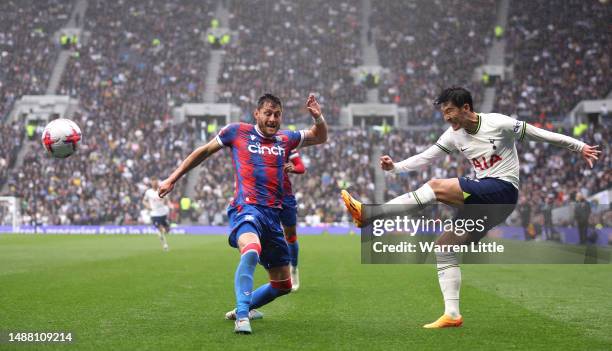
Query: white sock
[162,238]
[403,205]
[422,196]
[449,276]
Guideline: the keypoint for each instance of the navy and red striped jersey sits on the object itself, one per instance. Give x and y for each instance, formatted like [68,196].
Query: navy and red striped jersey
[258,162]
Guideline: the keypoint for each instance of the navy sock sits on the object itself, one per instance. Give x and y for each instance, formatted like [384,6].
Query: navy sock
[294,249]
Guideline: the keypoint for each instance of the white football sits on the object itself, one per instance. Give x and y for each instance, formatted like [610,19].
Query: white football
[61,137]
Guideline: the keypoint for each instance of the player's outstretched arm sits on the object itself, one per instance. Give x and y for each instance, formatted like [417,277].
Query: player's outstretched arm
[412,163]
[192,161]
[296,165]
[317,134]
[589,153]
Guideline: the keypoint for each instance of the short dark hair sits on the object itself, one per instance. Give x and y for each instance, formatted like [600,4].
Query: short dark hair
[272,99]
[457,95]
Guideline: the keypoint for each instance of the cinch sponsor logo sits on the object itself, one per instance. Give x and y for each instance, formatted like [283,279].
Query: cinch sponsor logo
[270,150]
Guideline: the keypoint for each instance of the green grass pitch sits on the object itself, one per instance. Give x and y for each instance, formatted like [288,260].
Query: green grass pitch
[124,293]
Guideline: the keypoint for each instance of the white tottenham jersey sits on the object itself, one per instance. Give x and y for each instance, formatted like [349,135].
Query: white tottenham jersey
[157,204]
[490,148]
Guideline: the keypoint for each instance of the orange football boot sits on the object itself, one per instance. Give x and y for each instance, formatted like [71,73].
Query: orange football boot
[353,206]
[445,321]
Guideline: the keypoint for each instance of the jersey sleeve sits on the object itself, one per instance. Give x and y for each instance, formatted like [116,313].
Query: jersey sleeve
[228,134]
[298,165]
[445,142]
[442,147]
[521,130]
[564,141]
[295,138]
[511,127]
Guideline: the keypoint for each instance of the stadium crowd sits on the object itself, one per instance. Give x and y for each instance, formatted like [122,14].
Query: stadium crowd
[142,58]
[127,80]
[27,50]
[558,57]
[311,46]
[12,137]
[428,45]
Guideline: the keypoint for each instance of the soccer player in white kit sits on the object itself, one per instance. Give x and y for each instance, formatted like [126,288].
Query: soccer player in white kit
[158,210]
[487,140]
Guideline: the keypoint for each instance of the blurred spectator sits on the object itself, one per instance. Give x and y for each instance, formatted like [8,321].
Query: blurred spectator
[144,58]
[429,45]
[582,212]
[27,50]
[559,52]
[311,46]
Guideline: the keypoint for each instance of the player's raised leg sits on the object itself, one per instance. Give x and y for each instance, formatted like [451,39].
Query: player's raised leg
[447,191]
[250,249]
[294,249]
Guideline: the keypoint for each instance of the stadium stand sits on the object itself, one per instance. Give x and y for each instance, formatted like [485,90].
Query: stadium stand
[27,51]
[311,46]
[126,85]
[143,58]
[559,57]
[12,137]
[429,45]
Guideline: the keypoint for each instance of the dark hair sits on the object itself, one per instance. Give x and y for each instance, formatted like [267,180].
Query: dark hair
[457,95]
[272,99]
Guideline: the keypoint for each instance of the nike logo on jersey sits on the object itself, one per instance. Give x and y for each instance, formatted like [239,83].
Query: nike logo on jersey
[463,149]
[252,137]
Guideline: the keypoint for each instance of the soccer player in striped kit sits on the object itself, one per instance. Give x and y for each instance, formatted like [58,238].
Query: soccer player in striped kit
[258,154]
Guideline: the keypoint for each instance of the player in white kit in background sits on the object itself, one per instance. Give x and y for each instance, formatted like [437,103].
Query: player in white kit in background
[158,210]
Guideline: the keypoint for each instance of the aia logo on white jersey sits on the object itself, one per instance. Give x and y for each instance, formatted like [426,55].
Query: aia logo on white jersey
[270,150]
[482,164]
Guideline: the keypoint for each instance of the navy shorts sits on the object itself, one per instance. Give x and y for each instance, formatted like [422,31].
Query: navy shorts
[274,249]
[489,199]
[160,221]
[288,215]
